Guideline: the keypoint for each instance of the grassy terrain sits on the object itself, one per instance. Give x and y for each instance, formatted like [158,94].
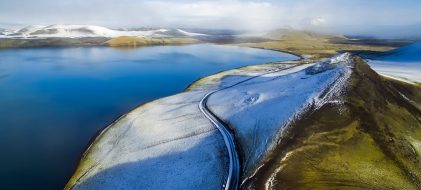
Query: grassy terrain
[298,42]
[123,41]
[371,141]
[316,45]
[51,42]
[127,41]
[214,80]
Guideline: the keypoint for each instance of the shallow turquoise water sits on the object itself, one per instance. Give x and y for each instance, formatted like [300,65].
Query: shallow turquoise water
[54,100]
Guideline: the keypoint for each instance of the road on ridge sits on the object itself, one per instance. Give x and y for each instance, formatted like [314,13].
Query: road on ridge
[234,166]
[233,178]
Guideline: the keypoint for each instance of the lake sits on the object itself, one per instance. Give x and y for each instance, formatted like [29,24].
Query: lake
[53,101]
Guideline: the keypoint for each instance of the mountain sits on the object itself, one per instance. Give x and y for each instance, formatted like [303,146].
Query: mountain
[80,31]
[87,35]
[179,33]
[310,44]
[27,30]
[289,34]
[367,138]
[333,124]
[4,31]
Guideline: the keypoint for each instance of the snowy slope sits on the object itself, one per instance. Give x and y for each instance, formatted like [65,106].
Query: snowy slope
[165,144]
[4,31]
[78,31]
[403,63]
[191,34]
[259,109]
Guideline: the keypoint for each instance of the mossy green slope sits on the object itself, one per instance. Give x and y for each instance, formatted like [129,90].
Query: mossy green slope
[318,46]
[371,141]
[129,41]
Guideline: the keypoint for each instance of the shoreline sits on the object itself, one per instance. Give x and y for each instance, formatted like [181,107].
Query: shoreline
[100,132]
[219,76]
[197,81]
[271,49]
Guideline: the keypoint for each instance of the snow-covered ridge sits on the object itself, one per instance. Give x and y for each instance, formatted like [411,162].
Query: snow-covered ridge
[259,110]
[190,33]
[4,32]
[342,59]
[170,144]
[79,31]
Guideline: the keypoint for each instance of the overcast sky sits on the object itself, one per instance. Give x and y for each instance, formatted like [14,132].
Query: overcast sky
[397,17]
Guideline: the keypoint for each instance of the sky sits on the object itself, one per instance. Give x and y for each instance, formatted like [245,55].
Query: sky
[359,17]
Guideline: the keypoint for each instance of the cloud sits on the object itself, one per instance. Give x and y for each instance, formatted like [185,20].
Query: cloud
[213,14]
[318,21]
[332,15]
[228,14]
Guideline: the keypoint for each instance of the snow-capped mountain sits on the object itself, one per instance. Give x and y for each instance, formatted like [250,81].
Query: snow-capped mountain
[28,30]
[178,33]
[78,31]
[4,32]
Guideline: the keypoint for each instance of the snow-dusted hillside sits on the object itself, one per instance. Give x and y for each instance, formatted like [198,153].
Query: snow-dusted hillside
[403,63]
[4,31]
[258,109]
[165,144]
[78,31]
[170,144]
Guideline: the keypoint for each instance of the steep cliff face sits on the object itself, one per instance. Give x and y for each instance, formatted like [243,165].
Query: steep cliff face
[370,140]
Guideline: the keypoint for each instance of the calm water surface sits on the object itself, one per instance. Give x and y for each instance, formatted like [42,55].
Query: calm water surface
[54,100]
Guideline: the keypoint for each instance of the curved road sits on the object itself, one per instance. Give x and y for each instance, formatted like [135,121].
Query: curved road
[234,166]
[233,178]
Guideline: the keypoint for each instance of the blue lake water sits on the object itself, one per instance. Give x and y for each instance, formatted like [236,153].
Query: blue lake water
[54,100]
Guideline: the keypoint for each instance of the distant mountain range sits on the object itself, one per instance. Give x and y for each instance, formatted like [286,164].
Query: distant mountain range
[80,31]
[89,35]
[4,31]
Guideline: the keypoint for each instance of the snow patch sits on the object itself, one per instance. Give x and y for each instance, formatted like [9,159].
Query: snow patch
[191,34]
[343,59]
